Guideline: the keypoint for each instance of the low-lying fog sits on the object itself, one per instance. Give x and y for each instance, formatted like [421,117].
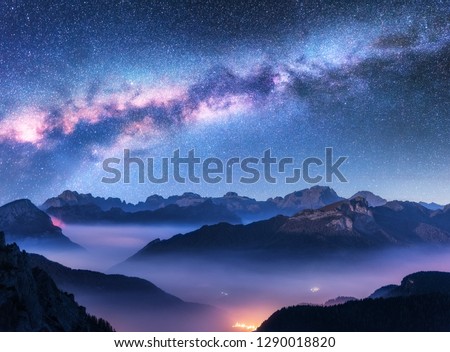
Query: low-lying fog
[249,292]
[107,245]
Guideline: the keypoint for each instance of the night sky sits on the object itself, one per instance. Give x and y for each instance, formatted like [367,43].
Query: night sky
[82,80]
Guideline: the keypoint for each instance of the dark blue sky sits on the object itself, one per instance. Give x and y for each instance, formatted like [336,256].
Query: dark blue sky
[82,80]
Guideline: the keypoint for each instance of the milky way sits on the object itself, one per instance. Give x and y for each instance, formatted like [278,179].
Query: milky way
[80,81]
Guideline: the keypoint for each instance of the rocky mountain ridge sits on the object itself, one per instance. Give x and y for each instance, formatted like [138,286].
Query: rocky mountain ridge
[31,301]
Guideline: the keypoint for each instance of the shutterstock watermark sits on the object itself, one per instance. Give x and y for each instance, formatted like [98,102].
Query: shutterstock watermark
[191,168]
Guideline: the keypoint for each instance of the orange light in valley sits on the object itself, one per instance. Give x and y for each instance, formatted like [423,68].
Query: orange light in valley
[243,326]
[250,316]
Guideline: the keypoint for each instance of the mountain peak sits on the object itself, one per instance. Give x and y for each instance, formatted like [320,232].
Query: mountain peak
[190,195]
[321,188]
[359,205]
[315,190]
[155,201]
[73,198]
[155,196]
[373,199]
[69,195]
[344,207]
[432,206]
[310,198]
[19,206]
[230,195]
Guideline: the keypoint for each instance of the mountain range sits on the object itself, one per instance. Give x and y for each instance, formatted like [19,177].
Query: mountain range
[420,303]
[348,225]
[325,222]
[310,198]
[201,213]
[73,207]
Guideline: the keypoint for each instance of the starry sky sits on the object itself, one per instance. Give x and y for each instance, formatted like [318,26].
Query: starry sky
[82,80]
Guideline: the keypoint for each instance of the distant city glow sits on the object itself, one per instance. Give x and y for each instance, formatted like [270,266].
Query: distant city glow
[244,326]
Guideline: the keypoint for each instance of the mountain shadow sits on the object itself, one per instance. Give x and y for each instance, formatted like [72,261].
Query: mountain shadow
[130,303]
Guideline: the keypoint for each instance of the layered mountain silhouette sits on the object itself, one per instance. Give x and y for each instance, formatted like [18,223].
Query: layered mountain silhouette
[71,198]
[131,303]
[420,303]
[421,283]
[432,205]
[73,207]
[202,213]
[343,226]
[339,300]
[29,226]
[31,301]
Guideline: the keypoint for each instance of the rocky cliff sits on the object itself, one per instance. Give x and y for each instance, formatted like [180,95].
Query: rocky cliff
[31,301]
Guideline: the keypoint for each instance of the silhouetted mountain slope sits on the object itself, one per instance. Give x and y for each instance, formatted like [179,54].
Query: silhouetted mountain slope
[383,292]
[202,213]
[417,284]
[339,300]
[31,301]
[432,206]
[25,224]
[420,303]
[218,238]
[114,287]
[343,226]
[131,303]
[442,218]
[414,313]
[410,222]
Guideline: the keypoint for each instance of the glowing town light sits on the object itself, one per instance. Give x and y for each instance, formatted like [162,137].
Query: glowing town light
[243,326]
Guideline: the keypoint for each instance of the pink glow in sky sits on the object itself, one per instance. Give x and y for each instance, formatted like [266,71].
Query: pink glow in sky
[33,124]
[29,125]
